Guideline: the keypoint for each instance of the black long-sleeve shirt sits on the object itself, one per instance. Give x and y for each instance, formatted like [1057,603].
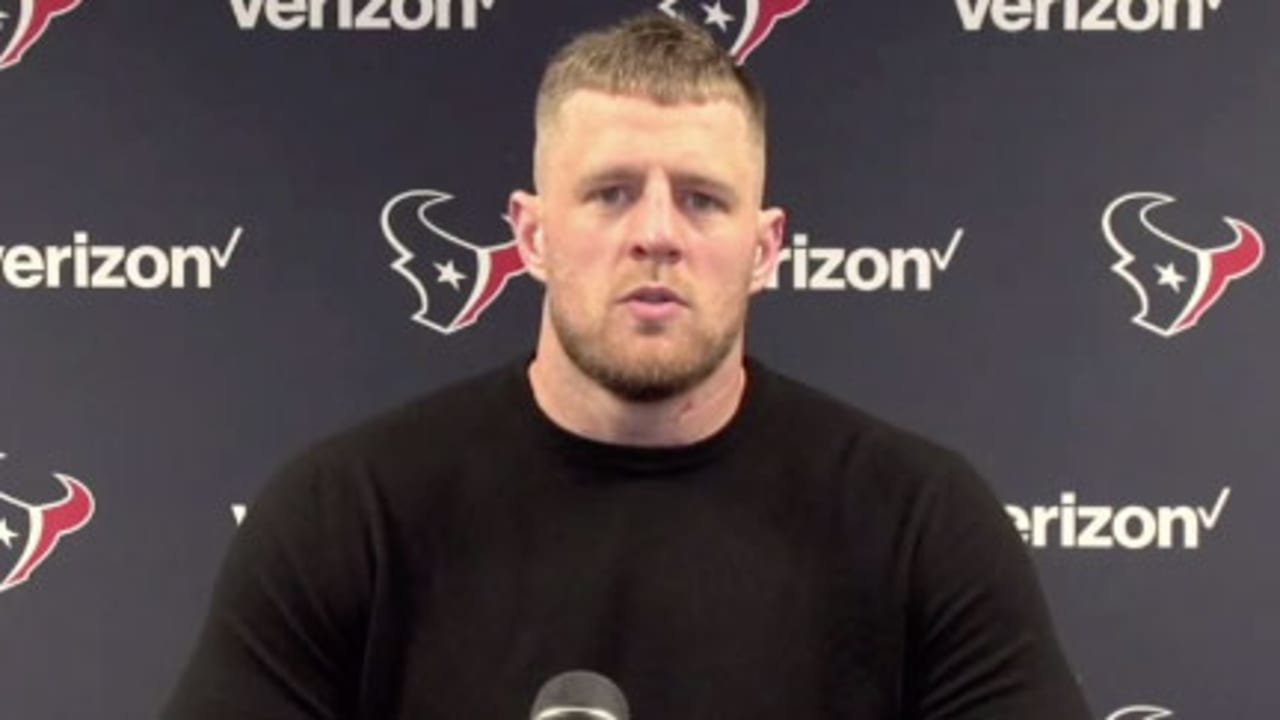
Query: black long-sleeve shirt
[806,561]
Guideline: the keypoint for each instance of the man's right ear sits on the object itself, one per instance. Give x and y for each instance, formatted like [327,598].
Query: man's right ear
[524,216]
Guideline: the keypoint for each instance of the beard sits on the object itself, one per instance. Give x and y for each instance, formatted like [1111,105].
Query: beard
[639,374]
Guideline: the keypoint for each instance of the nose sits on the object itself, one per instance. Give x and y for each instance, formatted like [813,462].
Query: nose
[656,237]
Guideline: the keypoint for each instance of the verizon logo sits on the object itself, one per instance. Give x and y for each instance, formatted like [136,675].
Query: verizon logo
[84,264]
[359,14]
[862,269]
[1014,16]
[1071,524]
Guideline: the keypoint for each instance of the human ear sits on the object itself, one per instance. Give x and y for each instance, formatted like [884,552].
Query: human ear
[770,231]
[524,216]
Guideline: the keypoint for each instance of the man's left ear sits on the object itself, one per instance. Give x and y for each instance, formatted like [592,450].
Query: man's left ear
[770,231]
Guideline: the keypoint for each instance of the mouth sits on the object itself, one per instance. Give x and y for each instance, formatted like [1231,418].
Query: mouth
[653,295]
[653,302]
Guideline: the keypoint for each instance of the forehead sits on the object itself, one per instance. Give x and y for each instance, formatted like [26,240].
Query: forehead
[593,129]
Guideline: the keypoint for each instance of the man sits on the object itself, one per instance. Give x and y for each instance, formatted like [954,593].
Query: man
[639,499]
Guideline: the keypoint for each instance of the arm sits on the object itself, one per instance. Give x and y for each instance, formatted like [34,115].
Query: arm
[981,643]
[284,632]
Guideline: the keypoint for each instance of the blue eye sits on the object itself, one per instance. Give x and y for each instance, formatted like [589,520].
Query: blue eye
[701,202]
[613,195]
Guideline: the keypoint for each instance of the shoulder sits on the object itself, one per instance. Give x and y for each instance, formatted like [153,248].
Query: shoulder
[455,415]
[380,460]
[823,423]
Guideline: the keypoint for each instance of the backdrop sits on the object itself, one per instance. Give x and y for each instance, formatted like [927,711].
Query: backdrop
[1035,230]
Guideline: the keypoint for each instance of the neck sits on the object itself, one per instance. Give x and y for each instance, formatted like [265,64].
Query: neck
[580,405]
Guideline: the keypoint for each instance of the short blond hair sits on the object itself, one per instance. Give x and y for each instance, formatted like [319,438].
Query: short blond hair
[654,56]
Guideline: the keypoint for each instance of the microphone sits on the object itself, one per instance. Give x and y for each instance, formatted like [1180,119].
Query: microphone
[580,695]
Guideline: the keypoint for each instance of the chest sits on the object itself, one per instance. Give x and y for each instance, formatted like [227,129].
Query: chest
[697,605]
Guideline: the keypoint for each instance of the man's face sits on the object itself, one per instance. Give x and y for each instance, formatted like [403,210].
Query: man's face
[649,236]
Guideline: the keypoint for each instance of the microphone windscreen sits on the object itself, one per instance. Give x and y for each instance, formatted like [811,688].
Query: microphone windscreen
[580,695]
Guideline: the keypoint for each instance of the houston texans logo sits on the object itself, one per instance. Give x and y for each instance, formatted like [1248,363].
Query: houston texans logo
[1156,264]
[455,280]
[29,533]
[1141,712]
[23,22]
[746,27]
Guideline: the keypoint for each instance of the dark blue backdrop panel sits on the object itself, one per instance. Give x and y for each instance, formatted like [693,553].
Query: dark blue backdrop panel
[1040,237]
